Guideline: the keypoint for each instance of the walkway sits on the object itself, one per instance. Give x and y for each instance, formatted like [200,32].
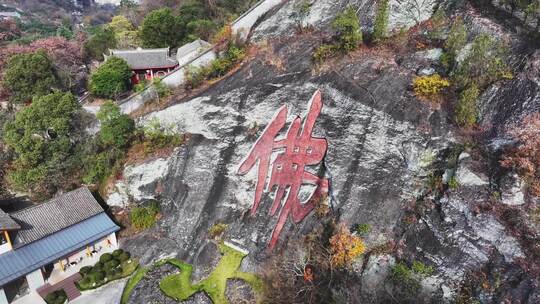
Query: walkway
[68,285]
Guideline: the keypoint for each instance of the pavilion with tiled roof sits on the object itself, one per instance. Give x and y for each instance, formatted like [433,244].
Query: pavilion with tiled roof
[146,63]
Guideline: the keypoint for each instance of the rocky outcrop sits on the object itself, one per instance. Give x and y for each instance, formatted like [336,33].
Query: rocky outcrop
[384,147]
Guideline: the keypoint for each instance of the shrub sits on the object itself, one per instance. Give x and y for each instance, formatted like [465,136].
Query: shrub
[96,276]
[98,266]
[139,87]
[438,23]
[99,44]
[223,35]
[117,253]
[56,297]
[348,29]
[381,20]
[324,52]
[144,217]
[161,28]
[110,274]
[111,78]
[484,64]
[453,184]
[403,278]
[112,264]
[457,38]
[162,89]
[217,230]
[363,229]
[301,12]
[345,247]
[106,257]
[195,76]
[29,75]
[124,256]
[85,270]
[116,128]
[97,167]
[421,268]
[158,137]
[429,87]
[348,36]
[525,157]
[42,137]
[465,114]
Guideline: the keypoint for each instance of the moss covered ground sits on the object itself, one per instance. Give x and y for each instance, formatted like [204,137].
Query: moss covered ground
[179,286]
[132,282]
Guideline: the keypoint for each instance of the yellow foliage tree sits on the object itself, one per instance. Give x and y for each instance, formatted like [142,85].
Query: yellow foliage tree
[345,247]
[125,33]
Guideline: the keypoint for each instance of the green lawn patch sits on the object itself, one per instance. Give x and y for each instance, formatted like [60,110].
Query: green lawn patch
[179,287]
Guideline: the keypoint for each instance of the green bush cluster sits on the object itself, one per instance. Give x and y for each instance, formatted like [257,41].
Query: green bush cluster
[117,128]
[381,20]
[362,229]
[99,43]
[139,87]
[158,137]
[29,76]
[56,297]
[110,267]
[422,269]
[466,112]
[484,63]
[144,217]
[195,76]
[161,88]
[111,78]
[105,152]
[348,36]
[42,137]
[457,38]
[453,183]
[406,280]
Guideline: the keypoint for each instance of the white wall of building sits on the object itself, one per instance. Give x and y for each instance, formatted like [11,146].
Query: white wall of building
[35,280]
[3,298]
[242,26]
[177,78]
[5,248]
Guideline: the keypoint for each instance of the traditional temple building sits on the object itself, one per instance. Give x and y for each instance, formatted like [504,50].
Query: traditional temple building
[47,243]
[146,63]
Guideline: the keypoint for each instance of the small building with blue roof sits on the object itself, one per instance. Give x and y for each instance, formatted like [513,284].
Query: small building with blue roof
[50,237]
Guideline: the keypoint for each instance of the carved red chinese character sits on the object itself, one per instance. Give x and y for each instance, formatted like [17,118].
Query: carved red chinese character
[296,151]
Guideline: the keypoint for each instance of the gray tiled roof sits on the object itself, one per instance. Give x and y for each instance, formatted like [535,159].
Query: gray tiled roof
[7,223]
[60,212]
[141,59]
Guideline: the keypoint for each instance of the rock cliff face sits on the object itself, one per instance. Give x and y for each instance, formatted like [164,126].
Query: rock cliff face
[384,146]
